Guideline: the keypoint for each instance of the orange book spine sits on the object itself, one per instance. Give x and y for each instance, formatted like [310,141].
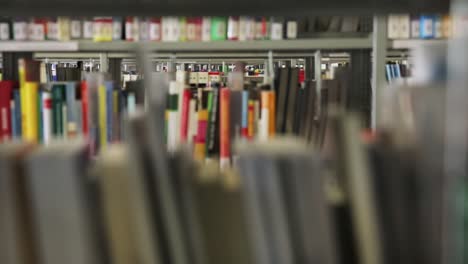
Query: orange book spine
[251,119]
[224,136]
[264,124]
[272,113]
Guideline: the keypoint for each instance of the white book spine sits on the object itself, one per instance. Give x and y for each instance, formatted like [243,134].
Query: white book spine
[206,29]
[263,126]
[47,117]
[393,26]
[405,26]
[243,28]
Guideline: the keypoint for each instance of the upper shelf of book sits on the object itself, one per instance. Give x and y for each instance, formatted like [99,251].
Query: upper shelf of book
[216,8]
[413,43]
[215,46]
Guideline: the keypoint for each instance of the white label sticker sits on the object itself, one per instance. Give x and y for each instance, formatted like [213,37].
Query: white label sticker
[88,29]
[116,30]
[129,31]
[20,30]
[4,31]
[75,29]
[191,31]
[276,31]
[291,30]
[155,31]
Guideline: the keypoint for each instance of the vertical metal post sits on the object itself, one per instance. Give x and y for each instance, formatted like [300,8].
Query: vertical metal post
[103,62]
[379,49]
[309,67]
[318,77]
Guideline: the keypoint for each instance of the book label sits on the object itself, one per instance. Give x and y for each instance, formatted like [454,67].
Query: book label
[155,31]
[276,31]
[75,29]
[116,30]
[4,31]
[36,31]
[291,32]
[88,29]
[20,30]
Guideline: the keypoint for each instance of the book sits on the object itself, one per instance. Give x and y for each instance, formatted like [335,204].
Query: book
[110,111]
[84,107]
[415,26]
[58,99]
[394,26]
[427,30]
[212,144]
[218,28]
[102,115]
[5,29]
[47,117]
[6,94]
[71,128]
[30,117]
[291,97]
[233,28]
[245,110]
[225,127]
[17,115]
[71,216]
[282,99]
[16,222]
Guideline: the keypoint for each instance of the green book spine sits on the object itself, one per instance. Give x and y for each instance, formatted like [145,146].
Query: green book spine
[40,121]
[57,109]
[208,123]
[218,28]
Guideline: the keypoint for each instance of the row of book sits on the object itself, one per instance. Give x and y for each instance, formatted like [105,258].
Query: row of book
[38,112]
[435,26]
[235,28]
[283,202]
[394,70]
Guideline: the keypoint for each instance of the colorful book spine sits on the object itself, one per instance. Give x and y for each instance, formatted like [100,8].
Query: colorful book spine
[6,89]
[57,109]
[218,28]
[272,110]
[172,122]
[12,118]
[224,136]
[192,127]
[233,28]
[200,142]
[264,125]
[184,122]
[29,117]
[245,113]
[72,115]
[427,27]
[109,109]
[251,119]
[102,116]
[131,103]
[155,29]
[47,117]
[84,108]
[182,29]
[115,116]
[40,128]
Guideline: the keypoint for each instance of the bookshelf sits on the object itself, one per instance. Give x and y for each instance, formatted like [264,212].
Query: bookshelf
[413,43]
[234,46]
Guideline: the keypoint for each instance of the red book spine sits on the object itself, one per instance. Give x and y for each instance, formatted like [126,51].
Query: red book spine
[198,28]
[185,116]
[129,28]
[6,88]
[224,136]
[85,105]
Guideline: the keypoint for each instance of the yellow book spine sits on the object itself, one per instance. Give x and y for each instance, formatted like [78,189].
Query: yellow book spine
[102,117]
[30,116]
[22,80]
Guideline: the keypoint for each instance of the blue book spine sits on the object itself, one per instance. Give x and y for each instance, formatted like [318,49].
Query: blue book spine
[398,71]
[427,27]
[245,109]
[394,72]
[109,108]
[389,72]
[131,103]
[17,98]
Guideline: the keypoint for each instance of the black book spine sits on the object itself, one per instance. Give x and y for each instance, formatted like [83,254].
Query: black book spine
[213,130]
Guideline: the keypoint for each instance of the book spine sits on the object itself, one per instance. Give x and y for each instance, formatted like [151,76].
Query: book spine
[182,29]
[427,27]
[14,131]
[172,125]
[18,117]
[251,119]
[218,28]
[6,88]
[193,122]
[213,138]
[131,102]
[102,110]
[72,115]
[84,108]
[200,142]
[206,29]
[115,116]
[129,28]
[109,109]
[47,117]
[233,28]
[185,116]
[57,92]
[272,110]
[64,121]
[224,136]
[29,117]
[245,111]
[264,128]
[5,30]
[40,132]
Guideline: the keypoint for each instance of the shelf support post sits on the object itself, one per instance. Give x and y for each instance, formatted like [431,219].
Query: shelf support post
[379,50]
